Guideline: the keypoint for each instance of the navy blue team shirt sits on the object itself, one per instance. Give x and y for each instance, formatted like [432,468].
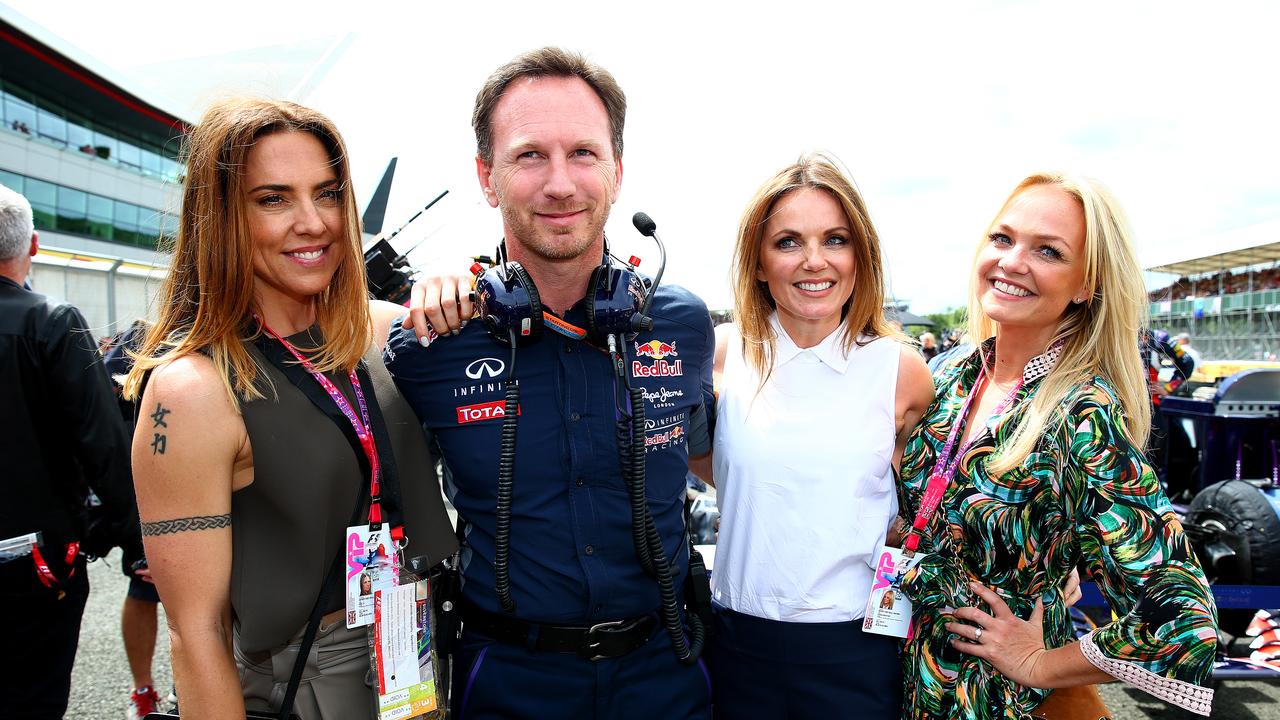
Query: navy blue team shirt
[572,557]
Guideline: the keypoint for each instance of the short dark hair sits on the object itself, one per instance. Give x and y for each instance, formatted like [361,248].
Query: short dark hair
[547,62]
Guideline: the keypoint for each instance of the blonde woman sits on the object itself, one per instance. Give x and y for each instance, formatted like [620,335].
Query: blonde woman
[816,396]
[247,466]
[1035,442]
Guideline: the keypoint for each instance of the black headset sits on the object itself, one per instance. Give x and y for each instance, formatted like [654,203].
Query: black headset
[509,304]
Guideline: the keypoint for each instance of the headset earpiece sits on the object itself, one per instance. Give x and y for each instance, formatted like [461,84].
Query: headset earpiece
[614,298]
[508,299]
[535,300]
[593,289]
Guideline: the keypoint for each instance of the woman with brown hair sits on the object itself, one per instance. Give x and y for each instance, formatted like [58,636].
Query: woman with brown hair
[268,422]
[816,395]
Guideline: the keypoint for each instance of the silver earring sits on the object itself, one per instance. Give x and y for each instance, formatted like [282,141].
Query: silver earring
[1077,300]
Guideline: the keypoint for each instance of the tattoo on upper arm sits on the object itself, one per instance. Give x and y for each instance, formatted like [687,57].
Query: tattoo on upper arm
[159,440]
[177,525]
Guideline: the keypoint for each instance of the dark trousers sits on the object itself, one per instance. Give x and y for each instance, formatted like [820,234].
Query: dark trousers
[493,680]
[802,671]
[41,633]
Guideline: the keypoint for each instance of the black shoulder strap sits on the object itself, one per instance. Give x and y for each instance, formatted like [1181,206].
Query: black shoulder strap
[331,579]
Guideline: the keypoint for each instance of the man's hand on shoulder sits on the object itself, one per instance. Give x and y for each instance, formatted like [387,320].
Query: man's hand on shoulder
[441,303]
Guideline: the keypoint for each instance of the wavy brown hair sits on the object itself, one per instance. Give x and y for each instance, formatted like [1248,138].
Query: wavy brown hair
[206,301]
[863,312]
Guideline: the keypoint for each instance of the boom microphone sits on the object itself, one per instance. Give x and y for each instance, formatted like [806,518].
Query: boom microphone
[649,228]
[644,224]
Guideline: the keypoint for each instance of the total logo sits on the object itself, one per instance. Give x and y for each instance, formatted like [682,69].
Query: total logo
[483,411]
[661,367]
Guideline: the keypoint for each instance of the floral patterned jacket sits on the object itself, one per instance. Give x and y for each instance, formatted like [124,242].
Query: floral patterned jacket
[1084,497]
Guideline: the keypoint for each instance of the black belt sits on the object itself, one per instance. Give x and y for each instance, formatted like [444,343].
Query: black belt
[594,642]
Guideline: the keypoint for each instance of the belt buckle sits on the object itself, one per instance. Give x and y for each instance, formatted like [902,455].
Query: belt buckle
[592,644]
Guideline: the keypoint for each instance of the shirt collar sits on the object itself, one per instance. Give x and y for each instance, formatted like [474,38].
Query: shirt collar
[830,351]
[1037,367]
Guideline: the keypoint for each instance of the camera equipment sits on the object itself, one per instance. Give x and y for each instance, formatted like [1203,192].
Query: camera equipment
[386,270]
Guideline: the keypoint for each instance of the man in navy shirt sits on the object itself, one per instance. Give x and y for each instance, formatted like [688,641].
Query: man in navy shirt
[584,638]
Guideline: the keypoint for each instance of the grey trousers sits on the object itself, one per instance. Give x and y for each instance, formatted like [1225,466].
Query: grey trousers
[334,682]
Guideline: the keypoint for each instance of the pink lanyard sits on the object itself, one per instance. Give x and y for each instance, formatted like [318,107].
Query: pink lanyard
[361,424]
[945,466]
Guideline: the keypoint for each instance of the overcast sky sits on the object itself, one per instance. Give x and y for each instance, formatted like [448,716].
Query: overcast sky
[937,109]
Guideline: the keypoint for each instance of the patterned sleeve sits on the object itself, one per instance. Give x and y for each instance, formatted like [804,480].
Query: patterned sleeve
[1164,638]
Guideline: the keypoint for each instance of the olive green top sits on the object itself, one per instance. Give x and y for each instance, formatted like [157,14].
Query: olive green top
[288,524]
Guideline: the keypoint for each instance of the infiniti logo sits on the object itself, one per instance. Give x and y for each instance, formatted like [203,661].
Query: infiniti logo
[485,367]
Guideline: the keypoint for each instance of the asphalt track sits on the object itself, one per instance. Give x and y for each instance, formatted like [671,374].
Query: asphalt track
[101,683]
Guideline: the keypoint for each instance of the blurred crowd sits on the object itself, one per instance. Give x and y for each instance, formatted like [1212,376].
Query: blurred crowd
[1229,282]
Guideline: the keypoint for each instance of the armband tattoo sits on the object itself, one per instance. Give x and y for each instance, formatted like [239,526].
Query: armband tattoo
[177,525]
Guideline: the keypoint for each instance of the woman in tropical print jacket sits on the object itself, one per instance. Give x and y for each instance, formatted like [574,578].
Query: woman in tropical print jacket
[1035,442]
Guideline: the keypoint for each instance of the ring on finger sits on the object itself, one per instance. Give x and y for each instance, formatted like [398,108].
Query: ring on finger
[977,635]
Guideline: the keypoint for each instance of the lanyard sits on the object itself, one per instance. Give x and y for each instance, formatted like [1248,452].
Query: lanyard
[564,327]
[43,572]
[945,466]
[361,424]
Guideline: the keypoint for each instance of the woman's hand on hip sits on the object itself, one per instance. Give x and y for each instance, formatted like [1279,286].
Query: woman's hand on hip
[1013,646]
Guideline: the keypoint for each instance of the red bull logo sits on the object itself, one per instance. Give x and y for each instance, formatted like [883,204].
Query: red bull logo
[656,349]
[661,368]
[664,437]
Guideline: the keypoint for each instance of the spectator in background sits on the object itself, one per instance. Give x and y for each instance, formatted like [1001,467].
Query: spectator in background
[928,346]
[1168,443]
[1157,348]
[138,617]
[960,345]
[62,438]
[1184,342]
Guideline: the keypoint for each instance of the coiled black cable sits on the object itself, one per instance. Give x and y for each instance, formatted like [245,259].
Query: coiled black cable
[644,533]
[506,478]
[629,436]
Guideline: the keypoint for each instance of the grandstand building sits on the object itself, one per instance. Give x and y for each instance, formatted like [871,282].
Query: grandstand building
[1229,302]
[99,164]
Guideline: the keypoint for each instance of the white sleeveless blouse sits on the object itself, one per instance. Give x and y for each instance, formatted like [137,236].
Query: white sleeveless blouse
[804,478]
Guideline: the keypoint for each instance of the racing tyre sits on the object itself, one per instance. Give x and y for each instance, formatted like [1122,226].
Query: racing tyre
[1235,530]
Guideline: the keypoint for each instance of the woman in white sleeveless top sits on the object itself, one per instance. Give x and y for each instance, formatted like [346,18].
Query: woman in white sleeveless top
[817,394]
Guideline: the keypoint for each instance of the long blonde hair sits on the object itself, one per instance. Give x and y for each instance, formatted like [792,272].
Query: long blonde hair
[1099,336]
[206,299]
[753,304]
